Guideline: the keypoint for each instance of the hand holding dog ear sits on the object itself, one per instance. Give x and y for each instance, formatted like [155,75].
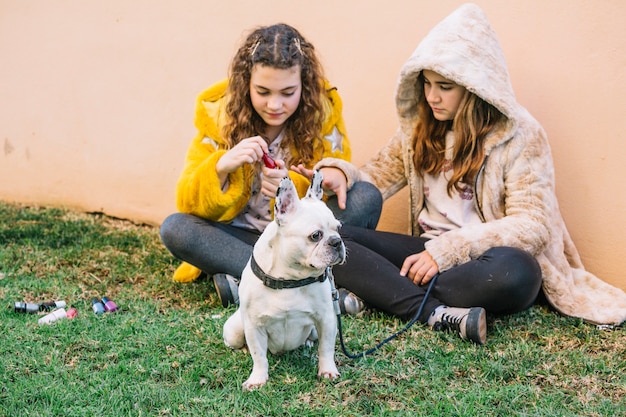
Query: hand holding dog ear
[334,180]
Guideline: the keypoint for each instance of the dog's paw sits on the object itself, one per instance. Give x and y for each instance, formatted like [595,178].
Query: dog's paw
[236,345]
[328,373]
[256,380]
[252,385]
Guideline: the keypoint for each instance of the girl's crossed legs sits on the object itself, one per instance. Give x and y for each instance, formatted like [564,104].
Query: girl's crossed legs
[502,280]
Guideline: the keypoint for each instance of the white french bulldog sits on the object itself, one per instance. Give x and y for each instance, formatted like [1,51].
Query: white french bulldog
[285,296]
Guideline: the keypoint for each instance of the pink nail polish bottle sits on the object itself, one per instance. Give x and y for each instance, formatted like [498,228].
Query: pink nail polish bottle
[54,316]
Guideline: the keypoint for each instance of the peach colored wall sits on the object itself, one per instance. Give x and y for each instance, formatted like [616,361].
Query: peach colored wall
[97,97]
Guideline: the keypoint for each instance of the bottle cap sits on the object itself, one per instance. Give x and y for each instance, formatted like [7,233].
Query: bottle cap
[72,312]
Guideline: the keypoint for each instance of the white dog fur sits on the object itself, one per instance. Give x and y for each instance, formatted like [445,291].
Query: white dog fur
[301,242]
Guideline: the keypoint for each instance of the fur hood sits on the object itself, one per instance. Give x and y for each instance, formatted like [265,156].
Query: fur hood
[459,48]
[515,189]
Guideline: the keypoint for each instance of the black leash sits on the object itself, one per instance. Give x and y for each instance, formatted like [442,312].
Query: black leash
[387,340]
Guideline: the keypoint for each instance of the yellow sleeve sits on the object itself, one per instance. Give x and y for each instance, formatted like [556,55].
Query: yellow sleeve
[199,191]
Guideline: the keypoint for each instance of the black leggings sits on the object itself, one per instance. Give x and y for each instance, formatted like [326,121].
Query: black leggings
[217,247]
[502,280]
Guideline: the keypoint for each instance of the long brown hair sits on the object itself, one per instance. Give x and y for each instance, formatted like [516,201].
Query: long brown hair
[278,46]
[473,121]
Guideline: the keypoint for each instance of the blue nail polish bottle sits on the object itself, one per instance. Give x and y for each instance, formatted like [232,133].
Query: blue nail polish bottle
[97,306]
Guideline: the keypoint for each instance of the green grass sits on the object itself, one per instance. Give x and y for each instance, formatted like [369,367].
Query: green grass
[162,354]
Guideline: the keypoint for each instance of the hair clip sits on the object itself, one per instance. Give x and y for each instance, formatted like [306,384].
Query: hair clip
[297,42]
[254,47]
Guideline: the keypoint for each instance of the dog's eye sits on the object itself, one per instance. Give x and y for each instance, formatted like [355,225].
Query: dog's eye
[316,236]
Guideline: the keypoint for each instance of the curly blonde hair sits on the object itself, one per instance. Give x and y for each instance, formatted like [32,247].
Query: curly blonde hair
[278,46]
[474,120]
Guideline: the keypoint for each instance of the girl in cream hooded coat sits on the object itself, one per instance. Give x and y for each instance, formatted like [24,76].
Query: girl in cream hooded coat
[514,193]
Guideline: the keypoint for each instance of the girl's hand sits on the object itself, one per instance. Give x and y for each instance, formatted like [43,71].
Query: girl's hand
[334,180]
[271,178]
[248,151]
[302,170]
[419,268]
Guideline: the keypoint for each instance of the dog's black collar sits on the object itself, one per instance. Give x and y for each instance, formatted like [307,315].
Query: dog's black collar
[279,284]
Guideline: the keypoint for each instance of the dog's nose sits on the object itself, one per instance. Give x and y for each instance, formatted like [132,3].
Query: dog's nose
[335,241]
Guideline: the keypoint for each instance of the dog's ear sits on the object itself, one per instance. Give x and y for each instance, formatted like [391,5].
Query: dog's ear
[287,200]
[315,189]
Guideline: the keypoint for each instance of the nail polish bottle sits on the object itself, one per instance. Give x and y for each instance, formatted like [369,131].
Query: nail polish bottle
[51,305]
[22,307]
[109,305]
[54,316]
[97,306]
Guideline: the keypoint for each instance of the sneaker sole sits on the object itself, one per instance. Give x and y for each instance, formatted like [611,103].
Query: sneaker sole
[352,306]
[476,325]
[223,290]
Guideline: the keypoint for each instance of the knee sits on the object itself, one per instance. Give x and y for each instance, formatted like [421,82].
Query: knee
[170,230]
[521,280]
[365,202]
[524,268]
[366,194]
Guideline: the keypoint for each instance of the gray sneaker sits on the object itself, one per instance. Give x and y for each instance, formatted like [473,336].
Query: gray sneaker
[469,323]
[227,288]
[349,303]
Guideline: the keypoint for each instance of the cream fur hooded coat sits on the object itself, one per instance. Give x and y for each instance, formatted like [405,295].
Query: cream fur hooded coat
[515,189]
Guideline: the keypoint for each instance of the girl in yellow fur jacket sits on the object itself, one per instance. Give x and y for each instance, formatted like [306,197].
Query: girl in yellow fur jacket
[275,103]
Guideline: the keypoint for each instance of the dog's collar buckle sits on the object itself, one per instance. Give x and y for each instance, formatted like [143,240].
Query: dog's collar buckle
[279,284]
